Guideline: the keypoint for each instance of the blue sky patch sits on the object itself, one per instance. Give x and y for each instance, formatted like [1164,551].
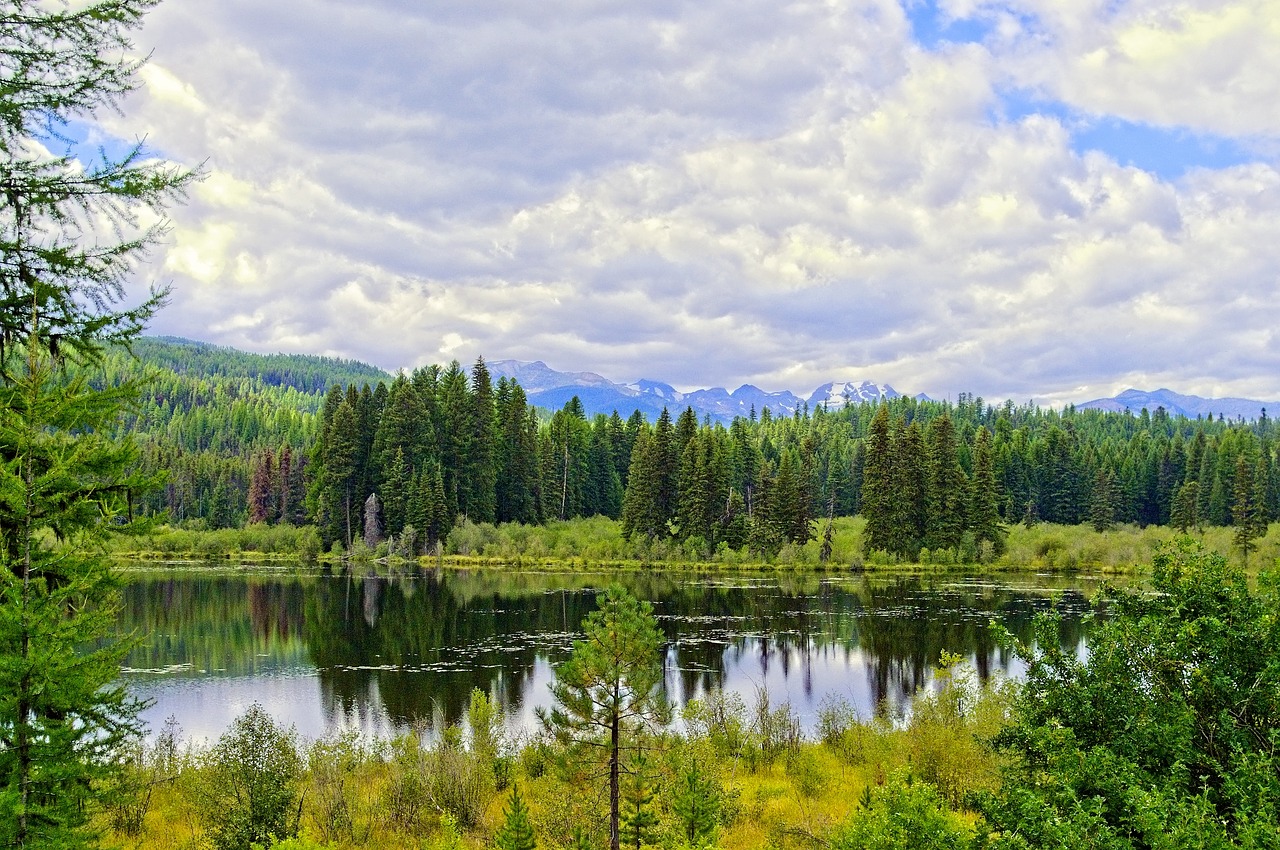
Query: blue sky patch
[932,28]
[87,143]
[1167,152]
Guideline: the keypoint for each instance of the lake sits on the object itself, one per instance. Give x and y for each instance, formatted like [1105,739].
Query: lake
[385,652]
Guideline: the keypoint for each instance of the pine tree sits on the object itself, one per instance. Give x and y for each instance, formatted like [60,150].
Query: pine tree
[639,816]
[609,686]
[696,803]
[516,832]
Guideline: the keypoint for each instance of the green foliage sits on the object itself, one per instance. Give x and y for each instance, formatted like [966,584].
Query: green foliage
[64,712]
[297,842]
[902,815]
[249,791]
[70,236]
[335,810]
[458,781]
[638,812]
[1168,727]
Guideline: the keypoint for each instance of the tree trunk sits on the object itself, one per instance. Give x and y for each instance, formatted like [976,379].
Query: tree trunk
[615,835]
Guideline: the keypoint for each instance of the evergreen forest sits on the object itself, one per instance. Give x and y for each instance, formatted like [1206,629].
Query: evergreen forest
[246,439]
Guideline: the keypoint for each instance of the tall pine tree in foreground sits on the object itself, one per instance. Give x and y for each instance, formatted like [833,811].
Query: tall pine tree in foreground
[608,689]
[69,233]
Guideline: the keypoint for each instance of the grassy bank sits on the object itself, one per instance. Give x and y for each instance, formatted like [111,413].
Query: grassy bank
[598,543]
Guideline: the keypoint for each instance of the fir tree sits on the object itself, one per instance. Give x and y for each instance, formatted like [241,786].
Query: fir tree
[880,505]
[395,490]
[339,485]
[1102,506]
[1246,512]
[642,503]
[1185,514]
[69,234]
[948,487]
[480,470]
[64,711]
[912,481]
[984,500]
[263,489]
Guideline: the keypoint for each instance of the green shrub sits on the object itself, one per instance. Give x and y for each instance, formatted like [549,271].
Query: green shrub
[249,791]
[331,762]
[902,815]
[1165,735]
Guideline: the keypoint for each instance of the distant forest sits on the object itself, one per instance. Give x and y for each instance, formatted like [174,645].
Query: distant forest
[282,438]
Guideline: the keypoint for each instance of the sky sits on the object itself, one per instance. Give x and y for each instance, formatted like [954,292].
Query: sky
[1026,199]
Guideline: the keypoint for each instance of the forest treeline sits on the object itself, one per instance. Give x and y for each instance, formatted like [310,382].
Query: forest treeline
[244,441]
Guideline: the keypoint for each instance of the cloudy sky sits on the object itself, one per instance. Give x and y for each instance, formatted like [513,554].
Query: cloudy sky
[1016,198]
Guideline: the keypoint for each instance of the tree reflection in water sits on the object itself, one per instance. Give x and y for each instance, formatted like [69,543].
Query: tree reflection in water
[391,650]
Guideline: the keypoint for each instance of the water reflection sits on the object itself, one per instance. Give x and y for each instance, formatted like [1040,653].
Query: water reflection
[384,652]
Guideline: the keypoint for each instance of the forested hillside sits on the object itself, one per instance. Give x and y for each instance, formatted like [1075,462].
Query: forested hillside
[270,438]
[206,413]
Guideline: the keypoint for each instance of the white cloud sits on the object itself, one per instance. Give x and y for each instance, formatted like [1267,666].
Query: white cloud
[713,193]
[1208,65]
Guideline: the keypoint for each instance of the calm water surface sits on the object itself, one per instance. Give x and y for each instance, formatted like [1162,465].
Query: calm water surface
[382,653]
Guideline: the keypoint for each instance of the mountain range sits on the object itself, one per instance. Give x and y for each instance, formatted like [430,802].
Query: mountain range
[551,389]
[1176,404]
[547,388]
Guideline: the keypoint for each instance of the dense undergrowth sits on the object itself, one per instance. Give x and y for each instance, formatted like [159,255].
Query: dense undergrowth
[736,776]
[597,542]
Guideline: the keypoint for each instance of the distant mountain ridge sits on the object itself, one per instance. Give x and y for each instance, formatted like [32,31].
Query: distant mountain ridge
[548,388]
[1177,404]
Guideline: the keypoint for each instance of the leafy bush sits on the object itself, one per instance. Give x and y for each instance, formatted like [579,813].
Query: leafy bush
[902,815]
[249,792]
[1169,727]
